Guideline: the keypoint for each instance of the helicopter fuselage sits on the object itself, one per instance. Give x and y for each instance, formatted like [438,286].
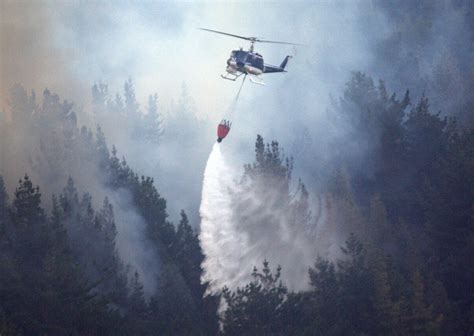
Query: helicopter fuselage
[245,62]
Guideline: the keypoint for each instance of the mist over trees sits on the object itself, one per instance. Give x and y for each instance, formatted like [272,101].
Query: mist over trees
[430,50]
[376,239]
[67,250]
[404,208]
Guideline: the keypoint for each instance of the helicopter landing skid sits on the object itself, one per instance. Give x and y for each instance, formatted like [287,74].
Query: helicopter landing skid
[231,76]
[257,80]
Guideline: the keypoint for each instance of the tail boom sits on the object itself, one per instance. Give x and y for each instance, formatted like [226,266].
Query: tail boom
[273,68]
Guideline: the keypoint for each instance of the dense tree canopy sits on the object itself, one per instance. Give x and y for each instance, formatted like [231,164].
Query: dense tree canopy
[400,194]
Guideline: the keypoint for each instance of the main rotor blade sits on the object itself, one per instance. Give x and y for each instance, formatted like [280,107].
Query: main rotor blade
[251,38]
[233,35]
[279,42]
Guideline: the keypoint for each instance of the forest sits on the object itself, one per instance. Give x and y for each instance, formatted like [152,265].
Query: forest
[403,269]
[360,222]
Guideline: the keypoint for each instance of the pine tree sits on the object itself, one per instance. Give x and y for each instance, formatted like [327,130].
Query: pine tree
[379,230]
[22,106]
[117,108]
[110,269]
[257,308]
[46,292]
[173,302]
[386,310]
[346,215]
[120,174]
[3,210]
[102,149]
[7,265]
[131,104]
[153,209]
[137,313]
[189,256]
[420,320]
[29,222]
[152,128]
[100,95]
[323,299]
[354,279]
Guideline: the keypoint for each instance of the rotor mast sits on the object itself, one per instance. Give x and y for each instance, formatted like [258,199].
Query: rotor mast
[252,43]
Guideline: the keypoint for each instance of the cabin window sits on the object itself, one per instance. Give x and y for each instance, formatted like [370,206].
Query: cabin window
[258,62]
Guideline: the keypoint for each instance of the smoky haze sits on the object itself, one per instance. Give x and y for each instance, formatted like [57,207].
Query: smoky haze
[67,47]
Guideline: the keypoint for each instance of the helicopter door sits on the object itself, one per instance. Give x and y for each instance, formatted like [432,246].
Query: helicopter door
[258,62]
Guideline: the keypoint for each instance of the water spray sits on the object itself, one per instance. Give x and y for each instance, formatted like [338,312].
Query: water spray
[220,239]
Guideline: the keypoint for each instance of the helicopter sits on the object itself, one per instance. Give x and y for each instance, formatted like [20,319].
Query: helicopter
[247,62]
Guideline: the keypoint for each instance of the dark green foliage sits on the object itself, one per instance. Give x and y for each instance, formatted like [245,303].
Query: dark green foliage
[180,297]
[138,321]
[146,198]
[404,184]
[3,208]
[174,303]
[386,308]
[101,148]
[257,308]
[270,165]
[179,300]
[355,288]
[402,180]
[359,296]
[418,39]
[419,319]
[416,194]
[29,225]
[79,243]
[189,256]
[42,291]
[93,242]
[322,302]
[70,264]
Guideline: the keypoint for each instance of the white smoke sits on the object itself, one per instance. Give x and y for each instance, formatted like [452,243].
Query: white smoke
[133,247]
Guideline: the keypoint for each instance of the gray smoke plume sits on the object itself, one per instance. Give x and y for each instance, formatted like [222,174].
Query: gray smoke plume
[132,246]
[43,140]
